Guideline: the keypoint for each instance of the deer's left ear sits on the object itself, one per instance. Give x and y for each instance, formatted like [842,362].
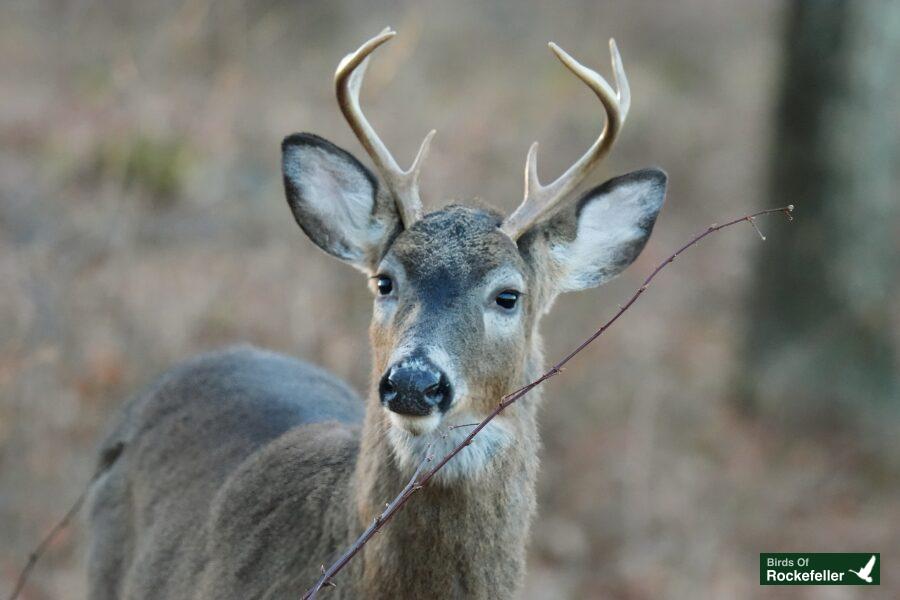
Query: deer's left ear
[596,239]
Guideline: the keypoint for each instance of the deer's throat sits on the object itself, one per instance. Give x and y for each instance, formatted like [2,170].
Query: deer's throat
[463,534]
[466,531]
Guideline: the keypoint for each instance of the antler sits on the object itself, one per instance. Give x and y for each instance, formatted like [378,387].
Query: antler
[403,185]
[541,199]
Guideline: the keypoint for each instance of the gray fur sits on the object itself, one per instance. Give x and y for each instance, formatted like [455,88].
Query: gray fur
[162,510]
[238,474]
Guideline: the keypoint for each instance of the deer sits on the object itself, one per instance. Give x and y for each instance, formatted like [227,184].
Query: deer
[238,473]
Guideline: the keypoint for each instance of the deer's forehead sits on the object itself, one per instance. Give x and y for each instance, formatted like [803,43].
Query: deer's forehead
[457,243]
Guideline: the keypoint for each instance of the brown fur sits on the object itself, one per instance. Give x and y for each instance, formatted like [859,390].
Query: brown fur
[256,512]
[239,474]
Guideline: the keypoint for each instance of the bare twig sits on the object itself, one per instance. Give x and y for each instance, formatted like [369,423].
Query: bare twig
[411,488]
[421,477]
[108,457]
[756,227]
[41,548]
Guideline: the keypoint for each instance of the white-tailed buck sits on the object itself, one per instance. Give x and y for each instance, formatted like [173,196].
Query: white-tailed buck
[239,473]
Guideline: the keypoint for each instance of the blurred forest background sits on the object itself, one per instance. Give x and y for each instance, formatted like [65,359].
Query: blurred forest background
[748,403]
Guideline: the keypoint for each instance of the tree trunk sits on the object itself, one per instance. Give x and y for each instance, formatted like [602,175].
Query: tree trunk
[823,338]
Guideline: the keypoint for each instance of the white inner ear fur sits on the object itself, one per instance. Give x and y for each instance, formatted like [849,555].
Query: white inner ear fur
[340,196]
[609,228]
[336,193]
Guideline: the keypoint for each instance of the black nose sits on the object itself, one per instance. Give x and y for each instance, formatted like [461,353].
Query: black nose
[415,388]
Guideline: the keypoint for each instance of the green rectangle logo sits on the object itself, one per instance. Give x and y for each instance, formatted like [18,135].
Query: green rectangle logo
[823,568]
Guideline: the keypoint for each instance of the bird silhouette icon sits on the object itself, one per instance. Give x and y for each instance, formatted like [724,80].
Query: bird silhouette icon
[866,572]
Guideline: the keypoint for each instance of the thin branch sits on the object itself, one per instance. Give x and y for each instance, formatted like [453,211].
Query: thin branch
[421,478]
[452,427]
[108,457]
[756,227]
[41,548]
[411,488]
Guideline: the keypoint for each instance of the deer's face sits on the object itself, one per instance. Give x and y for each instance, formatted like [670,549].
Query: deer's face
[456,298]
[451,318]
[458,292]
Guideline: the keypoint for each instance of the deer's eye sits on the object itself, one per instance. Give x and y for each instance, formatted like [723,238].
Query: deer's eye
[507,299]
[384,284]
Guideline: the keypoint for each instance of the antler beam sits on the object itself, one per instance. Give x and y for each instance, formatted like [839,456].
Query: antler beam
[403,185]
[540,200]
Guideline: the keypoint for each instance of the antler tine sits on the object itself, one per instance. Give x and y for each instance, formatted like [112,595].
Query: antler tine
[403,185]
[540,199]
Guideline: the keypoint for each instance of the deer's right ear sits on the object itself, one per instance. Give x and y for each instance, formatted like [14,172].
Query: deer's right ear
[336,200]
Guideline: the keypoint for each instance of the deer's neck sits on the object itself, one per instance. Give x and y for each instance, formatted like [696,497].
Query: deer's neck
[464,535]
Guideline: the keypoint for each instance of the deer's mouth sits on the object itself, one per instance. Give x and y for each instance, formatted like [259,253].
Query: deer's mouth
[415,425]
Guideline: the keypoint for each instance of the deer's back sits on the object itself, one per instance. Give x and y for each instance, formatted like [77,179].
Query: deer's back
[189,465]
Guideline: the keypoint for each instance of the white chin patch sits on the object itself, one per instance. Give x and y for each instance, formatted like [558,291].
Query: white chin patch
[414,425]
[412,437]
